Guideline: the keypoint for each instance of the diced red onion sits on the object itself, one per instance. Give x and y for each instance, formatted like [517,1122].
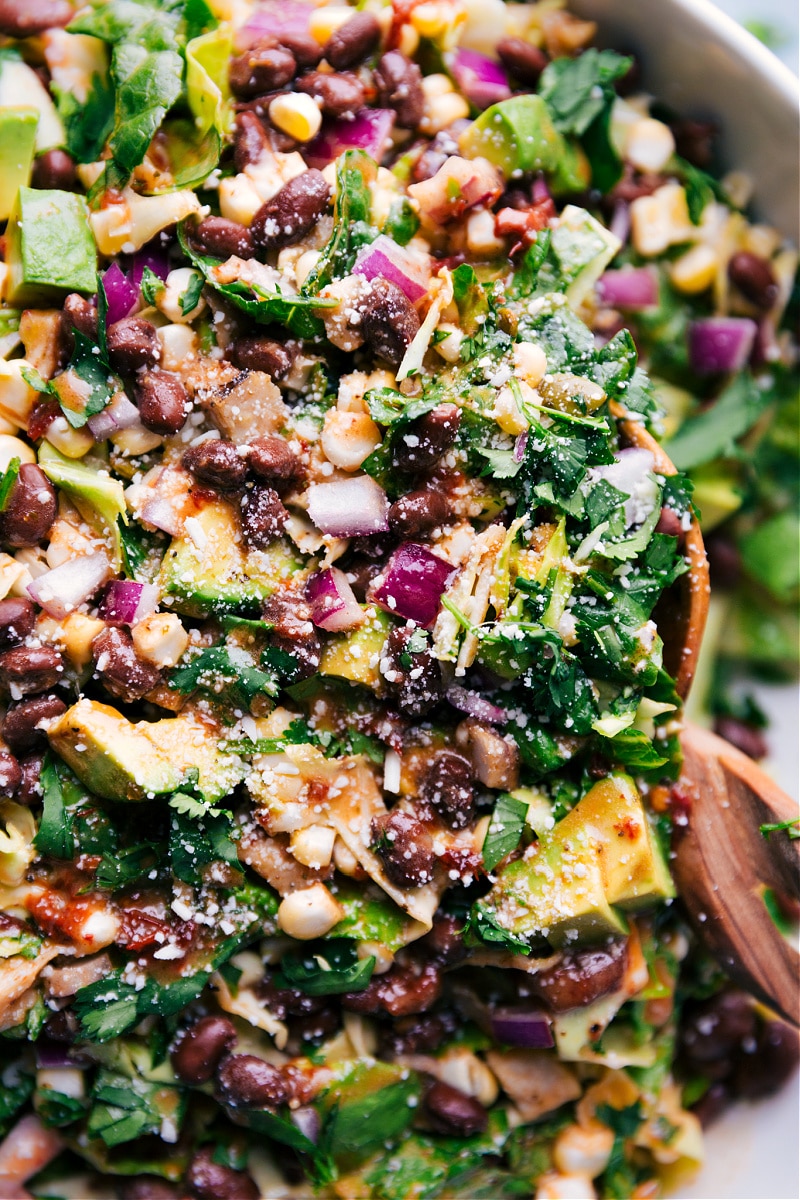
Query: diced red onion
[333,605]
[541,191]
[620,224]
[412,582]
[273,18]
[349,507]
[397,264]
[367,130]
[476,706]
[519,446]
[61,590]
[126,601]
[481,79]
[121,294]
[633,288]
[720,344]
[307,1121]
[528,1027]
[153,256]
[52,1056]
[161,512]
[119,414]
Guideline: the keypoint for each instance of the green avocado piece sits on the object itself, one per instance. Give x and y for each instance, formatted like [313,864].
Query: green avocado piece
[99,498]
[555,893]
[110,755]
[354,656]
[210,570]
[50,249]
[17,145]
[121,761]
[632,865]
[518,136]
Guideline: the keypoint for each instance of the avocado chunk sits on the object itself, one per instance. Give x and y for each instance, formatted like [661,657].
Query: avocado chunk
[584,248]
[355,656]
[49,247]
[110,755]
[98,497]
[555,893]
[518,136]
[601,856]
[634,871]
[209,569]
[121,761]
[17,145]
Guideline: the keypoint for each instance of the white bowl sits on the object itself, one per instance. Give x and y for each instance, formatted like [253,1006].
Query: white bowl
[705,65]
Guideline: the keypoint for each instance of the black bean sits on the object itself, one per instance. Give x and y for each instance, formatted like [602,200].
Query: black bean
[694,140]
[754,278]
[405,848]
[26,670]
[712,1104]
[435,154]
[10,773]
[62,1026]
[54,169]
[30,509]
[713,1030]
[764,1066]
[162,402]
[262,354]
[16,620]
[222,238]
[216,463]
[419,1034]
[399,85]
[582,976]
[265,67]
[272,460]
[353,42]
[389,320]
[293,632]
[744,737]
[21,733]
[148,1187]
[413,677]
[403,990]
[428,439]
[447,787]
[335,94]
[200,1050]
[77,313]
[418,512]
[208,1180]
[30,791]
[249,1082]
[288,1002]
[250,141]
[445,942]
[306,50]
[263,516]
[361,571]
[23,19]
[132,344]
[292,212]
[119,668]
[522,60]
[450,1111]
[315,1027]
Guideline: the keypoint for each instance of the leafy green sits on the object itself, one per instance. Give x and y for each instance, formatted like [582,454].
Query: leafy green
[580,96]
[224,671]
[151,285]
[55,836]
[127,1106]
[712,433]
[57,1109]
[108,1008]
[423,1166]
[296,312]
[125,866]
[402,222]
[482,927]
[352,212]
[87,123]
[95,383]
[356,1128]
[505,830]
[791,827]
[190,298]
[327,969]
[619,1177]
[526,274]
[701,189]
[771,555]
[388,407]
[17,1087]
[7,482]
[139,547]
[193,844]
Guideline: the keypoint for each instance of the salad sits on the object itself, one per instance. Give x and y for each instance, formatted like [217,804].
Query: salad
[341,690]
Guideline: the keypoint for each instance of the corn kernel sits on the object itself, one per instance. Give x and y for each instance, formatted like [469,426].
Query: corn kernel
[696,270]
[10,573]
[111,227]
[762,240]
[178,343]
[16,396]
[436,85]
[344,860]
[238,199]
[530,363]
[431,19]
[326,20]
[408,43]
[661,220]
[309,913]
[135,440]
[305,265]
[649,144]
[442,111]
[76,634]
[583,1150]
[553,1185]
[348,438]
[72,443]
[313,846]
[481,237]
[450,346]
[296,114]
[13,447]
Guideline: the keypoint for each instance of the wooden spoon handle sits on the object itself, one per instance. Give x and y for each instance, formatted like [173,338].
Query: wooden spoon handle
[722,864]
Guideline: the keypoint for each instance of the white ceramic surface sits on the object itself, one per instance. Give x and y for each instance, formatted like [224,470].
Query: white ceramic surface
[704,64]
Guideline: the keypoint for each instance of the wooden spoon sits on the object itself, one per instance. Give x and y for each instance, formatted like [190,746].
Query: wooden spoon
[721,862]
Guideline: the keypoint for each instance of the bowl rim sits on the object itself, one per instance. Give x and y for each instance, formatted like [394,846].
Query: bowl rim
[748,46]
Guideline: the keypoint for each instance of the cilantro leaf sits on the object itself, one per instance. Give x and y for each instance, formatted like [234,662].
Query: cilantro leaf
[352,226]
[125,1107]
[355,1129]
[151,285]
[792,828]
[194,844]
[86,386]
[7,482]
[17,1087]
[54,838]
[327,969]
[505,830]
[701,189]
[482,927]
[191,296]
[87,123]
[226,672]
